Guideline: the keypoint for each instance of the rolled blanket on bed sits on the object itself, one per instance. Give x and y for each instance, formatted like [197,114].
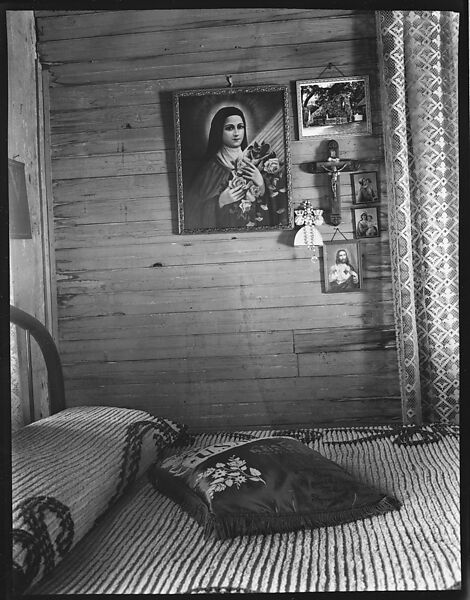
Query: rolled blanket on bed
[67,470]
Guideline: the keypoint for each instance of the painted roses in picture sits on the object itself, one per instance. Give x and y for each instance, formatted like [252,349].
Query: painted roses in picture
[233,161]
[254,201]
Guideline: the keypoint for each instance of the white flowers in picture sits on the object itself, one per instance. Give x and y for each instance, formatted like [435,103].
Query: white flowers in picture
[233,159]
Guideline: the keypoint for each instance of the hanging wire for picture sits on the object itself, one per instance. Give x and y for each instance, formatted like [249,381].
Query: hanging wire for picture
[331,66]
[308,218]
[337,230]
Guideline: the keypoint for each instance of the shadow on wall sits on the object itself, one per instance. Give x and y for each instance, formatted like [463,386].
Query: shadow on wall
[168,132]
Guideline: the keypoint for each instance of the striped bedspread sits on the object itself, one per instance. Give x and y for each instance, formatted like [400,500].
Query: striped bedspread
[146,544]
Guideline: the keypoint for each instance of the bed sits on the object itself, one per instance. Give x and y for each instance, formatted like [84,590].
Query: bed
[97,524]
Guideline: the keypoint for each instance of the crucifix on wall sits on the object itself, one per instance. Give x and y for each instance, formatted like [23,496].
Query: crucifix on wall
[333,166]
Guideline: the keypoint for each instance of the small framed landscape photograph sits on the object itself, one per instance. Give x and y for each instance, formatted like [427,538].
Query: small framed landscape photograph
[337,107]
[364,187]
[366,222]
[342,268]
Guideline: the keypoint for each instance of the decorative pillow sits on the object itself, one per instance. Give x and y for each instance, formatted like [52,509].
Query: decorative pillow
[265,485]
[67,469]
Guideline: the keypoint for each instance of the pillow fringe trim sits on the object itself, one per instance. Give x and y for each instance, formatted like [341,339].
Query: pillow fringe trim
[229,526]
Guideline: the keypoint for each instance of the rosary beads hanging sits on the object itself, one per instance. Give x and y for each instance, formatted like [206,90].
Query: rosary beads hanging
[308,235]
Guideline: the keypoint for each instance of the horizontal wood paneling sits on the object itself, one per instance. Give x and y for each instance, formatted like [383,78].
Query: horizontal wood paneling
[153,91]
[125,163]
[220,330]
[302,401]
[129,163]
[111,23]
[224,368]
[125,117]
[321,340]
[352,362]
[196,252]
[58,13]
[179,346]
[197,300]
[119,325]
[78,217]
[181,277]
[128,117]
[343,339]
[115,188]
[68,192]
[131,225]
[157,277]
[223,38]
[348,56]
[108,142]
[286,415]
[306,393]
[95,143]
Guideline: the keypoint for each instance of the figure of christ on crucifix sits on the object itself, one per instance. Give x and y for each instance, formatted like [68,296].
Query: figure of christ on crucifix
[334,174]
[333,166]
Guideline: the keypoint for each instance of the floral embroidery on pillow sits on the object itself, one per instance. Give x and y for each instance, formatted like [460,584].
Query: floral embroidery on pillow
[265,485]
[224,475]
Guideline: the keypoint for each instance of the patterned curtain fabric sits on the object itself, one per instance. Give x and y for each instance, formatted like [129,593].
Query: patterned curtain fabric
[419,80]
[17,417]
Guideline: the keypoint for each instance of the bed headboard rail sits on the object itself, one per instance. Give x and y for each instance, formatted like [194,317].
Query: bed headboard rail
[49,351]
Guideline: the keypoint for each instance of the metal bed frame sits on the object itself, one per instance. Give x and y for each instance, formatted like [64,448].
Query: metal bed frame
[50,353]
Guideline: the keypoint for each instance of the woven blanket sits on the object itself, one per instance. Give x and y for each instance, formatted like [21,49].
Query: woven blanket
[67,469]
[146,544]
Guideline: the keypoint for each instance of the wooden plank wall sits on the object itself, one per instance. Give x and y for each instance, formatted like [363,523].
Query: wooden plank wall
[29,257]
[218,330]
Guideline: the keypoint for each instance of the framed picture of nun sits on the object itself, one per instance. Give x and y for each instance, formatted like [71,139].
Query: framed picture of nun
[233,159]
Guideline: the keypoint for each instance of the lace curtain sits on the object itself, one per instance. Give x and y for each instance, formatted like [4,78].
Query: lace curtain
[17,417]
[419,79]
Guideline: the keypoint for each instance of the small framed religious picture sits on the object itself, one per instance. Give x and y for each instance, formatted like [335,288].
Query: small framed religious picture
[366,222]
[337,107]
[233,159]
[342,266]
[364,187]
